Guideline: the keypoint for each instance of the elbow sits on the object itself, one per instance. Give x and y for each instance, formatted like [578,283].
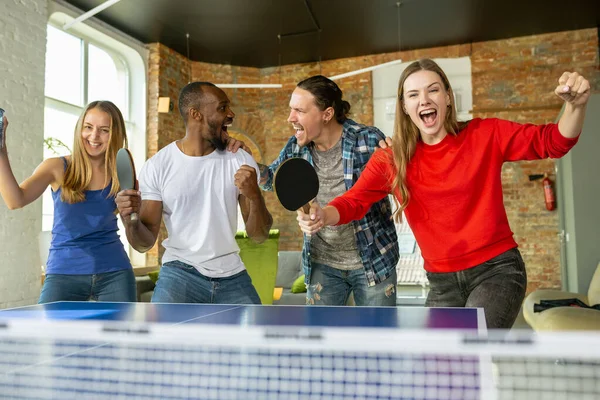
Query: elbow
[14,202]
[258,239]
[261,235]
[14,206]
[258,236]
[141,249]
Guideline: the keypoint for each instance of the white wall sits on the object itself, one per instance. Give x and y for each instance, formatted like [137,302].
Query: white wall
[385,90]
[578,190]
[22,62]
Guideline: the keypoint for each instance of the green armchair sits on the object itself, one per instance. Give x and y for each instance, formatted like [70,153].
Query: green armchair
[261,262]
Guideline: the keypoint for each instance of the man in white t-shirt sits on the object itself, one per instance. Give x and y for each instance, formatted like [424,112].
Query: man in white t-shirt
[196,185]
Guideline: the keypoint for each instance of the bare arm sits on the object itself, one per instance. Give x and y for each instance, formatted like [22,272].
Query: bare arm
[142,233]
[574,89]
[264,173]
[49,172]
[257,218]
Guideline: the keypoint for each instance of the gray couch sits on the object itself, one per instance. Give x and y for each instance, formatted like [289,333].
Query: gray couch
[288,270]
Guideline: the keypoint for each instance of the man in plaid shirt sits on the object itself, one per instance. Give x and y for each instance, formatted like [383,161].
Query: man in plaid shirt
[361,256]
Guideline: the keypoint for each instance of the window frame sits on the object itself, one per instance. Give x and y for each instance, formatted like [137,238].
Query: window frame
[130,58]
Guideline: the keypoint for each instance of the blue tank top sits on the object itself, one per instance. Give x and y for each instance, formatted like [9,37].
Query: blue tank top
[84,236]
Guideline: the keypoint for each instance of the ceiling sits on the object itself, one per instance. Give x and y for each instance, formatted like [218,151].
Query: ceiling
[246,32]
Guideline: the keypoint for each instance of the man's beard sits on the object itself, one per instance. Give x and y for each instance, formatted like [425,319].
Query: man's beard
[216,140]
[218,144]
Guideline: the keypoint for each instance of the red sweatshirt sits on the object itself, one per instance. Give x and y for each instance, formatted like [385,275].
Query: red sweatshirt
[456,209]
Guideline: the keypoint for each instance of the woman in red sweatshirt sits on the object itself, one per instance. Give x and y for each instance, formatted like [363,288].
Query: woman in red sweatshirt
[446,177]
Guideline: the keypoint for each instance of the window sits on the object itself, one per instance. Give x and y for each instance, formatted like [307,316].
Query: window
[90,62]
[64,55]
[109,78]
[77,72]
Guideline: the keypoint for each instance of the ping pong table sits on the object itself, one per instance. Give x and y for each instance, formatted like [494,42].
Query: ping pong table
[74,350]
[256,315]
[176,351]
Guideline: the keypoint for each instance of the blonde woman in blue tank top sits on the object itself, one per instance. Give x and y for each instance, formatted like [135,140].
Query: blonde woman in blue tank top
[87,260]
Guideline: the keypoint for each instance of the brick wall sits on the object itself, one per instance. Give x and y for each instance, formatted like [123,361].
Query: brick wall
[512,79]
[261,114]
[168,73]
[515,79]
[23,50]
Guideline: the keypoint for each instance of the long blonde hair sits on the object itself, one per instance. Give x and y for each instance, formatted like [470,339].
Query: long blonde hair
[406,133]
[79,170]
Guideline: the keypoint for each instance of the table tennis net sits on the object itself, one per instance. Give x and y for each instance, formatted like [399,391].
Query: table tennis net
[93,360]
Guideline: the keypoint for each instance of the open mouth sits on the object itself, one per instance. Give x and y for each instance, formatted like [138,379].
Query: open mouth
[226,125]
[94,145]
[429,117]
[299,130]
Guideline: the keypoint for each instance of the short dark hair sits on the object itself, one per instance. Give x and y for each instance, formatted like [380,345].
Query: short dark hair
[327,94]
[190,96]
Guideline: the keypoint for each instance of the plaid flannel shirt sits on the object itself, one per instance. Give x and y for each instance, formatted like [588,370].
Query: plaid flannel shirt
[375,234]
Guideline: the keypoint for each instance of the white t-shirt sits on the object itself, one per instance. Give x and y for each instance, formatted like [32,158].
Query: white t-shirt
[200,206]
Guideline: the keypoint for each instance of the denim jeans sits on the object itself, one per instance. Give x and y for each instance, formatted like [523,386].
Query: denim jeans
[179,282]
[108,286]
[498,286]
[331,286]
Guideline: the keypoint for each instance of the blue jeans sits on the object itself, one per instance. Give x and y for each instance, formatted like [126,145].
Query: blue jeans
[331,286]
[179,282]
[108,286]
[498,286]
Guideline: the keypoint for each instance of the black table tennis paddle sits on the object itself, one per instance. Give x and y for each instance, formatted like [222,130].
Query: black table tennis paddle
[126,173]
[296,184]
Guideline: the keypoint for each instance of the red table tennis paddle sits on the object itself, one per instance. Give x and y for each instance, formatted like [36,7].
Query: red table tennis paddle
[296,184]
[126,173]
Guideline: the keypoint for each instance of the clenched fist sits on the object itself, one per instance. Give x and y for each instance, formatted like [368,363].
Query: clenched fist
[573,88]
[128,202]
[247,182]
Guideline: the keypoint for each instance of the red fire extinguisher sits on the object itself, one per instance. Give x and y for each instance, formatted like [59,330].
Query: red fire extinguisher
[549,198]
[549,193]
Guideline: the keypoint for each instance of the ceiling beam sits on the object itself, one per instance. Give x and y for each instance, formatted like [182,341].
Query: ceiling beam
[249,85]
[90,13]
[278,85]
[362,70]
